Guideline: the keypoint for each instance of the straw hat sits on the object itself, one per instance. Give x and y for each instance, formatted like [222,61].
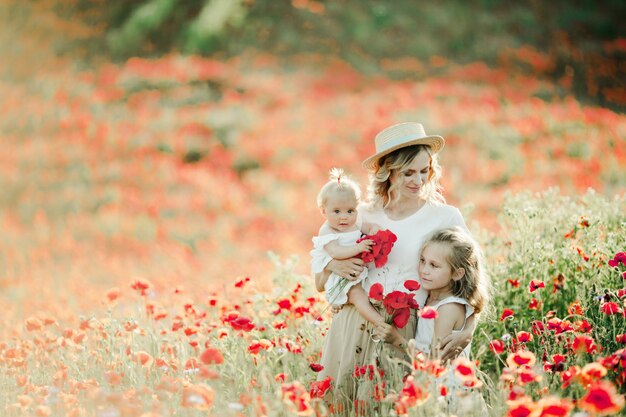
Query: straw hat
[399,136]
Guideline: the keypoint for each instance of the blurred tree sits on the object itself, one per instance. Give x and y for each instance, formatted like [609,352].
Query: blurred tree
[583,41]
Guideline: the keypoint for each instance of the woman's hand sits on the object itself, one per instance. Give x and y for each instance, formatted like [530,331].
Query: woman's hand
[453,344]
[389,334]
[349,269]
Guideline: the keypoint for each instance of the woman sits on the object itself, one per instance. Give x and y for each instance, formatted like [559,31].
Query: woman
[404,197]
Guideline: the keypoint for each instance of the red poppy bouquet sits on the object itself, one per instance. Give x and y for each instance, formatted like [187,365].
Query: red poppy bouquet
[398,304]
[383,243]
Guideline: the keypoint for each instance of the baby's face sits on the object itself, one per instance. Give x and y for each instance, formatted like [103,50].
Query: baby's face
[340,211]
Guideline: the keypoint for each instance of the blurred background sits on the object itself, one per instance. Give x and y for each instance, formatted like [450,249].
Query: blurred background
[181,141]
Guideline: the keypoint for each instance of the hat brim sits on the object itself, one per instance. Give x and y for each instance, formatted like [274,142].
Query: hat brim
[435,143]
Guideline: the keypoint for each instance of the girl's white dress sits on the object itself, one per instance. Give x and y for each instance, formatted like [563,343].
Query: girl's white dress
[426,327]
[460,400]
[336,287]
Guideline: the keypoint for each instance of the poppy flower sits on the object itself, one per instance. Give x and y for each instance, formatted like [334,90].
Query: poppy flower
[554,407]
[401,317]
[602,399]
[506,314]
[618,258]
[524,337]
[376,292]
[514,283]
[141,285]
[383,243]
[520,358]
[611,308]
[522,407]
[316,367]
[621,338]
[199,397]
[535,285]
[428,313]
[533,304]
[212,356]
[497,346]
[584,344]
[319,388]
[411,285]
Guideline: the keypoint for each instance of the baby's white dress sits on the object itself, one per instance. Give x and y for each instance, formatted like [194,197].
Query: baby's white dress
[336,287]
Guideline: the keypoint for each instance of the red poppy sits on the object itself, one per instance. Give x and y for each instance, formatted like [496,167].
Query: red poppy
[395,300]
[497,346]
[619,257]
[533,304]
[376,292]
[506,314]
[602,399]
[240,283]
[621,338]
[212,356]
[141,285]
[554,407]
[383,243]
[535,285]
[428,313]
[521,358]
[319,388]
[514,283]
[611,308]
[524,337]
[584,344]
[411,285]
[401,317]
[316,367]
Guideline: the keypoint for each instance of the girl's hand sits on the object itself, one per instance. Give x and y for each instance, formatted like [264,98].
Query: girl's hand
[453,344]
[388,333]
[365,245]
[349,269]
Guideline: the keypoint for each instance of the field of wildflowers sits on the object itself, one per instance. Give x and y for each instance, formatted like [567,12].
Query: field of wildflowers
[140,200]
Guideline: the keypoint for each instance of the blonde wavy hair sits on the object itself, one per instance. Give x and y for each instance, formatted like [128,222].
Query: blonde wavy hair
[474,286]
[381,191]
[338,182]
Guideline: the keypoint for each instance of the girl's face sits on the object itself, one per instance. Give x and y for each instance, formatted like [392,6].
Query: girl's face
[409,182]
[434,268]
[340,210]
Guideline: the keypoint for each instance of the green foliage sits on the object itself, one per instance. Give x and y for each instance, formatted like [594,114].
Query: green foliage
[565,243]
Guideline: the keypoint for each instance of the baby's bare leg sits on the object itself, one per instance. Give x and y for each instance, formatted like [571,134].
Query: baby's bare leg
[360,300]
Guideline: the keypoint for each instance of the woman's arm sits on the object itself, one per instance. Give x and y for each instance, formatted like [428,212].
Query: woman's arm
[349,269]
[453,344]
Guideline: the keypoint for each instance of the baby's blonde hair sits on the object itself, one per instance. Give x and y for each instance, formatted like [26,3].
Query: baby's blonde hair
[474,285]
[380,189]
[338,182]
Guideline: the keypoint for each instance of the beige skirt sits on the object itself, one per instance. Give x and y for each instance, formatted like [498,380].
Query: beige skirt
[349,346]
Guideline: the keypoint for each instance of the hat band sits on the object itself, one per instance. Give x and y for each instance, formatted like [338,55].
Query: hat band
[400,140]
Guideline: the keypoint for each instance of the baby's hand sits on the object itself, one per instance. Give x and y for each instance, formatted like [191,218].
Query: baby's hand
[365,245]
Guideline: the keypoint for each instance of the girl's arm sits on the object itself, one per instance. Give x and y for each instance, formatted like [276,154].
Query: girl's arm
[336,251]
[342,267]
[453,344]
[450,316]
[389,334]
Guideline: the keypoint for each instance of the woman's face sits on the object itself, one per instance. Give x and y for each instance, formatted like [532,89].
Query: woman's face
[409,182]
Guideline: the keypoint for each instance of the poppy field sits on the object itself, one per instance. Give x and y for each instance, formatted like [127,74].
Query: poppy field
[157,216]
